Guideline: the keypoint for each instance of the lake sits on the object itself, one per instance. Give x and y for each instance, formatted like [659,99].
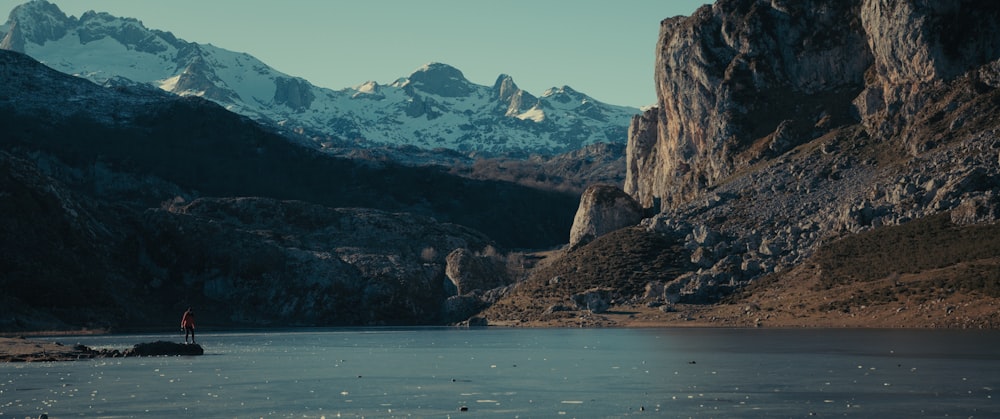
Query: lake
[524,373]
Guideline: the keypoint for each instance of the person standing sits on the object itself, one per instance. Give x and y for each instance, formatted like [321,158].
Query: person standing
[187,323]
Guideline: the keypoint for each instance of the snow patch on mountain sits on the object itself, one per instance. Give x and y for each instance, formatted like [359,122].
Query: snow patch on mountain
[434,107]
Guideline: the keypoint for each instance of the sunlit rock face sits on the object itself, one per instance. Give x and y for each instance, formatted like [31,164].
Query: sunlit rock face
[738,81]
[603,209]
[745,80]
[917,45]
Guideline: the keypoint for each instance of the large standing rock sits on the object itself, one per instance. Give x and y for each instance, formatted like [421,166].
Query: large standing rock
[603,209]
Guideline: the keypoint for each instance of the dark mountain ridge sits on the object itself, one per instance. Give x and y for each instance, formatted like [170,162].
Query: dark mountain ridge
[203,148]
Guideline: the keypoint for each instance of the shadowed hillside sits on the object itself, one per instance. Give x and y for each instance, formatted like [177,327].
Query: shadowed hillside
[104,221]
[209,151]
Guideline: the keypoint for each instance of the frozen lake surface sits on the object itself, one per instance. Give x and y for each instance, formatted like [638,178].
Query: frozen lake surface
[524,373]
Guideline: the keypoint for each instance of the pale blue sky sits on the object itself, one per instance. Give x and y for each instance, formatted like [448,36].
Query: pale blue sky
[601,47]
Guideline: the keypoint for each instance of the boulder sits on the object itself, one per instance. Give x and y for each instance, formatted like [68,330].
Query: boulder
[654,291]
[460,307]
[596,300]
[603,209]
[977,210]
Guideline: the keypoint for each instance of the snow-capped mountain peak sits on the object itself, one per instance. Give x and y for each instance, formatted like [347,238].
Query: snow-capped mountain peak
[434,107]
[34,22]
[440,79]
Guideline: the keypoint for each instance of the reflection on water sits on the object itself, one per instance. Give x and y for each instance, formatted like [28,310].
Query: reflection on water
[525,373]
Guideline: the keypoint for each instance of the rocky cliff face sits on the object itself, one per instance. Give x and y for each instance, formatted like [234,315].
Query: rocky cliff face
[783,128]
[918,45]
[784,124]
[745,80]
[739,81]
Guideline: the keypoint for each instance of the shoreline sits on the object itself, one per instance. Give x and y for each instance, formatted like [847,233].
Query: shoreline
[27,347]
[21,349]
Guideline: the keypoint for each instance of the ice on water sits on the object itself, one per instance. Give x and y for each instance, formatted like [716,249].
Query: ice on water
[443,372]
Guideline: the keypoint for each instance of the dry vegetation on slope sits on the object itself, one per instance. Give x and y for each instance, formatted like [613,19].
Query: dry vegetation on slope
[624,260]
[925,273]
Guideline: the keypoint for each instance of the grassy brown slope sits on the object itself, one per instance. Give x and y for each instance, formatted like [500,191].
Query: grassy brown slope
[925,273]
[625,260]
[925,244]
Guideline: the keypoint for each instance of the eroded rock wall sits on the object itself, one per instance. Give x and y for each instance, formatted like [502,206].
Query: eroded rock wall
[745,80]
[741,80]
[917,45]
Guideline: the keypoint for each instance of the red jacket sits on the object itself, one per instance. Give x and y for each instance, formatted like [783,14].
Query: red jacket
[187,320]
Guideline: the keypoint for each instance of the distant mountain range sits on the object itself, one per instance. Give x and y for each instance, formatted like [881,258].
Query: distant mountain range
[120,204]
[434,107]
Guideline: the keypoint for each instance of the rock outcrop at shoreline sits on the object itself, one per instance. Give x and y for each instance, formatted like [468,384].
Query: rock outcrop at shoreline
[25,350]
[603,209]
[161,347]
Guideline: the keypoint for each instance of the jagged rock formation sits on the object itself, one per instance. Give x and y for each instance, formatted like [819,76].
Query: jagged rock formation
[784,124]
[739,81]
[784,127]
[918,46]
[744,80]
[603,209]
